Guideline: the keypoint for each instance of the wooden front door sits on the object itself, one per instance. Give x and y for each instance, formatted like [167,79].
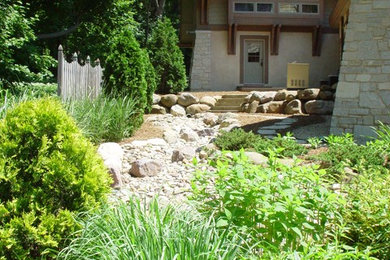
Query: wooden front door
[253,61]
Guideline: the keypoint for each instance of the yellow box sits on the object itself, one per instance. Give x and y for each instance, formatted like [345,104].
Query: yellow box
[298,75]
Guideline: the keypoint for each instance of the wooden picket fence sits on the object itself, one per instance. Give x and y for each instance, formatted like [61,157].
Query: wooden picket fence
[77,81]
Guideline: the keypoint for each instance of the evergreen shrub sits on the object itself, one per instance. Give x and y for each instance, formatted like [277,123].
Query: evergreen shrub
[167,58]
[126,69]
[48,173]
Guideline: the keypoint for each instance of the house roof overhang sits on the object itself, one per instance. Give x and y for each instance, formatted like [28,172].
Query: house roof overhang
[341,10]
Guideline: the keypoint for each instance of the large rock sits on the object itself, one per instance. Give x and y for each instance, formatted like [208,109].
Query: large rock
[293,107]
[210,101]
[326,88]
[157,109]
[178,110]
[319,107]
[276,107]
[168,100]
[228,122]
[262,97]
[281,95]
[145,168]
[170,136]
[112,154]
[210,119]
[257,158]
[187,99]
[156,99]
[308,94]
[224,116]
[326,95]
[291,95]
[184,153]
[197,108]
[189,135]
[252,108]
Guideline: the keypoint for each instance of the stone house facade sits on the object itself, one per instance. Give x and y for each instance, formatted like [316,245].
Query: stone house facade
[363,93]
[248,43]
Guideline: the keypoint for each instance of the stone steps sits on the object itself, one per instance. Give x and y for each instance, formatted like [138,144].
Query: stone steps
[229,103]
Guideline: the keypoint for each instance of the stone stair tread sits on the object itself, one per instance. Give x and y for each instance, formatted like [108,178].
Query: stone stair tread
[225,111]
[235,96]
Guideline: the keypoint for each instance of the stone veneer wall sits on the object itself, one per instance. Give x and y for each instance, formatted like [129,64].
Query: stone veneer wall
[363,93]
[201,63]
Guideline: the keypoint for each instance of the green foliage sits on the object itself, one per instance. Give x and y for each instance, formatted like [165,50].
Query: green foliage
[367,214]
[235,140]
[105,119]
[167,58]
[286,146]
[314,142]
[283,208]
[48,172]
[344,152]
[133,231]
[152,85]
[239,139]
[21,60]
[125,70]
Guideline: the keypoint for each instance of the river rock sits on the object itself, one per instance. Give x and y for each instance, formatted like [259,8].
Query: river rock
[257,158]
[178,110]
[308,94]
[293,107]
[189,135]
[197,108]
[168,100]
[170,136]
[184,153]
[112,154]
[187,99]
[157,109]
[210,101]
[319,107]
[144,168]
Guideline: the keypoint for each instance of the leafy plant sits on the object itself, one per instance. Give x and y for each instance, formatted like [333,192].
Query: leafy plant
[287,146]
[283,208]
[48,173]
[314,142]
[105,119]
[167,58]
[235,140]
[367,213]
[132,231]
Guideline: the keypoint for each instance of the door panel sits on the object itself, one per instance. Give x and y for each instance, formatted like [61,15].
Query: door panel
[253,61]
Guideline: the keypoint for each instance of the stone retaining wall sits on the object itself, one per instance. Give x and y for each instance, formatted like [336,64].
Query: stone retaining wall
[363,94]
[307,101]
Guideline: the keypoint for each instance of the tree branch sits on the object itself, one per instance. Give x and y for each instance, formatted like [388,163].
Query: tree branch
[58,34]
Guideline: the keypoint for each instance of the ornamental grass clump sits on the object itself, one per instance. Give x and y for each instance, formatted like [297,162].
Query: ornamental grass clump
[49,173]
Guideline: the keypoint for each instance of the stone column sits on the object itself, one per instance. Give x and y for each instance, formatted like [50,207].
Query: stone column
[363,92]
[201,62]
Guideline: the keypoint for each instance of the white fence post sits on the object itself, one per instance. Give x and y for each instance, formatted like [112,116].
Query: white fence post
[76,81]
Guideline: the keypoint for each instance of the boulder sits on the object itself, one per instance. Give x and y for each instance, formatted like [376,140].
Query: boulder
[291,95]
[252,108]
[225,116]
[244,107]
[334,86]
[145,168]
[276,107]
[293,107]
[156,99]
[325,95]
[157,109]
[228,122]
[319,107]
[210,101]
[210,119]
[170,136]
[178,110]
[187,99]
[184,153]
[281,95]
[326,88]
[262,97]
[188,135]
[257,158]
[308,94]
[197,108]
[168,100]
[112,155]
